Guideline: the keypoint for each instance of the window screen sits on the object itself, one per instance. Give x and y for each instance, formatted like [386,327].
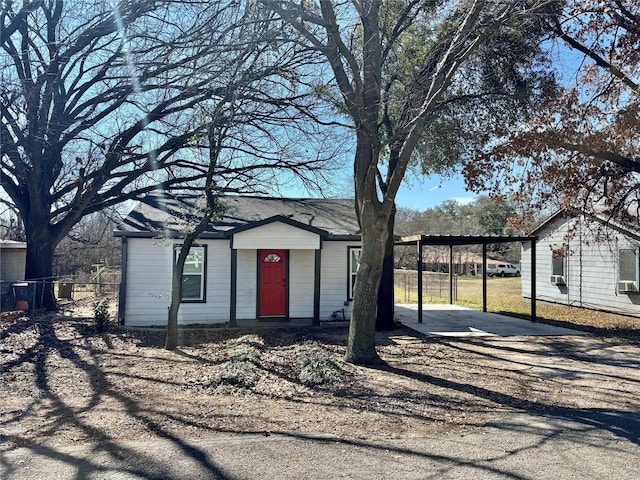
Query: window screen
[354,263]
[628,264]
[193,274]
[558,262]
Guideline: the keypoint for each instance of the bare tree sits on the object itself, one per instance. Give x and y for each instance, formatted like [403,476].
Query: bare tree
[394,65]
[263,126]
[10,226]
[97,101]
[93,237]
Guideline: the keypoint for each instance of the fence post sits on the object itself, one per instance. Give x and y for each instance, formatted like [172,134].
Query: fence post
[32,306]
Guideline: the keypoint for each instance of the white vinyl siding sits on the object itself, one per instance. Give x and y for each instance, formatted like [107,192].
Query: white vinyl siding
[276,235]
[334,286]
[148,277]
[149,270]
[247,285]
[218,279]
[12,263]
[301,283]
[591,268]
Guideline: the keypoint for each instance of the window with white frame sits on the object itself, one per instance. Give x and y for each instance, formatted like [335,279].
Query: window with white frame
[628,265]
[558,261]
[354,263]
[193,276]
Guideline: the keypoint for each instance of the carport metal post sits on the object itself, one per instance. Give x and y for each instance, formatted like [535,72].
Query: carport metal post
[450,274]
[534,317]
[484,276]
[419,245]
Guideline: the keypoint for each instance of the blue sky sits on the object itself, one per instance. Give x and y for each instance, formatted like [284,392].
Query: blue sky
[427,192]
[417,192]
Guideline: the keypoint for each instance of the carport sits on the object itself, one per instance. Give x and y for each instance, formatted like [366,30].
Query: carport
[458,240]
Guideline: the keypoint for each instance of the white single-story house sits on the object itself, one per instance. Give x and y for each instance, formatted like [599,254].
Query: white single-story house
[585,261]
[264,260]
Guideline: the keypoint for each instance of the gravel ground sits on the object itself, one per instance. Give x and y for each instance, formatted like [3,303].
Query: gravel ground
[67,388]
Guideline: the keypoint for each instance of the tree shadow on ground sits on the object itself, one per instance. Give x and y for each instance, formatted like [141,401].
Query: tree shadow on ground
[108,456]
[623,424]
[628,334]
[61,415]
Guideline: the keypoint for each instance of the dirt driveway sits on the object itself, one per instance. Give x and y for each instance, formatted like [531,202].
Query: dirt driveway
[86,400]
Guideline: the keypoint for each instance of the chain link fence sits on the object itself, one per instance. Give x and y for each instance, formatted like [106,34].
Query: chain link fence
[24,295]
[435,286]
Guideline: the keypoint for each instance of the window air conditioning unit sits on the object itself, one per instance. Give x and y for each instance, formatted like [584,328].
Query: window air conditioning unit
[557,280]
[625,286]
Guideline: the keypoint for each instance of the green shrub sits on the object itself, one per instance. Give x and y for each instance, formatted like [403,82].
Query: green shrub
[101,315]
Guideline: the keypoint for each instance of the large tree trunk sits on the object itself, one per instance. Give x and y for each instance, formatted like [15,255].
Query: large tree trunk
[41,246]
[361,343]
[384,319]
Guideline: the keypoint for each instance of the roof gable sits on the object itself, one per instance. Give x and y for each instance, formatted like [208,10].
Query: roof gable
[277,234]
[276,219]
[558,217]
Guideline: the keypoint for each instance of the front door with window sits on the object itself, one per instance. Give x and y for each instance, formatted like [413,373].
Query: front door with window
[273,283]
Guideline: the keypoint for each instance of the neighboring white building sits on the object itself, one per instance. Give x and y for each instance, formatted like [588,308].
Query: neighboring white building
[266,259]
[585,261]
[13,257]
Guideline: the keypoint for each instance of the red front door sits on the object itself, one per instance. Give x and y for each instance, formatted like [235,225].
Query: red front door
[273,283]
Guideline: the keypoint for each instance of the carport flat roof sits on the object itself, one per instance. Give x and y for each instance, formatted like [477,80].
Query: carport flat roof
[442,320]
[462,239]
[452,240]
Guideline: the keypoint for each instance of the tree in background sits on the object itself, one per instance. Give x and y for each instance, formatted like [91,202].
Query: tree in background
[579,150]
[93,236]
[398,68]
[486,215]
[11,227]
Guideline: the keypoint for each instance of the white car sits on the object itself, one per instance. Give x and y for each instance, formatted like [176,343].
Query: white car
[502,270]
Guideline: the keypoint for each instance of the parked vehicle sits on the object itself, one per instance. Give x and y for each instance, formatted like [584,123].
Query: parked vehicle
[502,270]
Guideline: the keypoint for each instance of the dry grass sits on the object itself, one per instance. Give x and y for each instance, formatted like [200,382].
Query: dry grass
[504,297]
[65,382]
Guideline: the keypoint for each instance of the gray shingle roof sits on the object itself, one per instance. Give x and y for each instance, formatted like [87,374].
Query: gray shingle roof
[161,214]
[628,225]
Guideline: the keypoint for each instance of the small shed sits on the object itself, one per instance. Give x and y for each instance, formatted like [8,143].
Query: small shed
[13,257]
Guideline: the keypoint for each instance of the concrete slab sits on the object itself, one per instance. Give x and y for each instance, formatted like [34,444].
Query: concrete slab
[457,321]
